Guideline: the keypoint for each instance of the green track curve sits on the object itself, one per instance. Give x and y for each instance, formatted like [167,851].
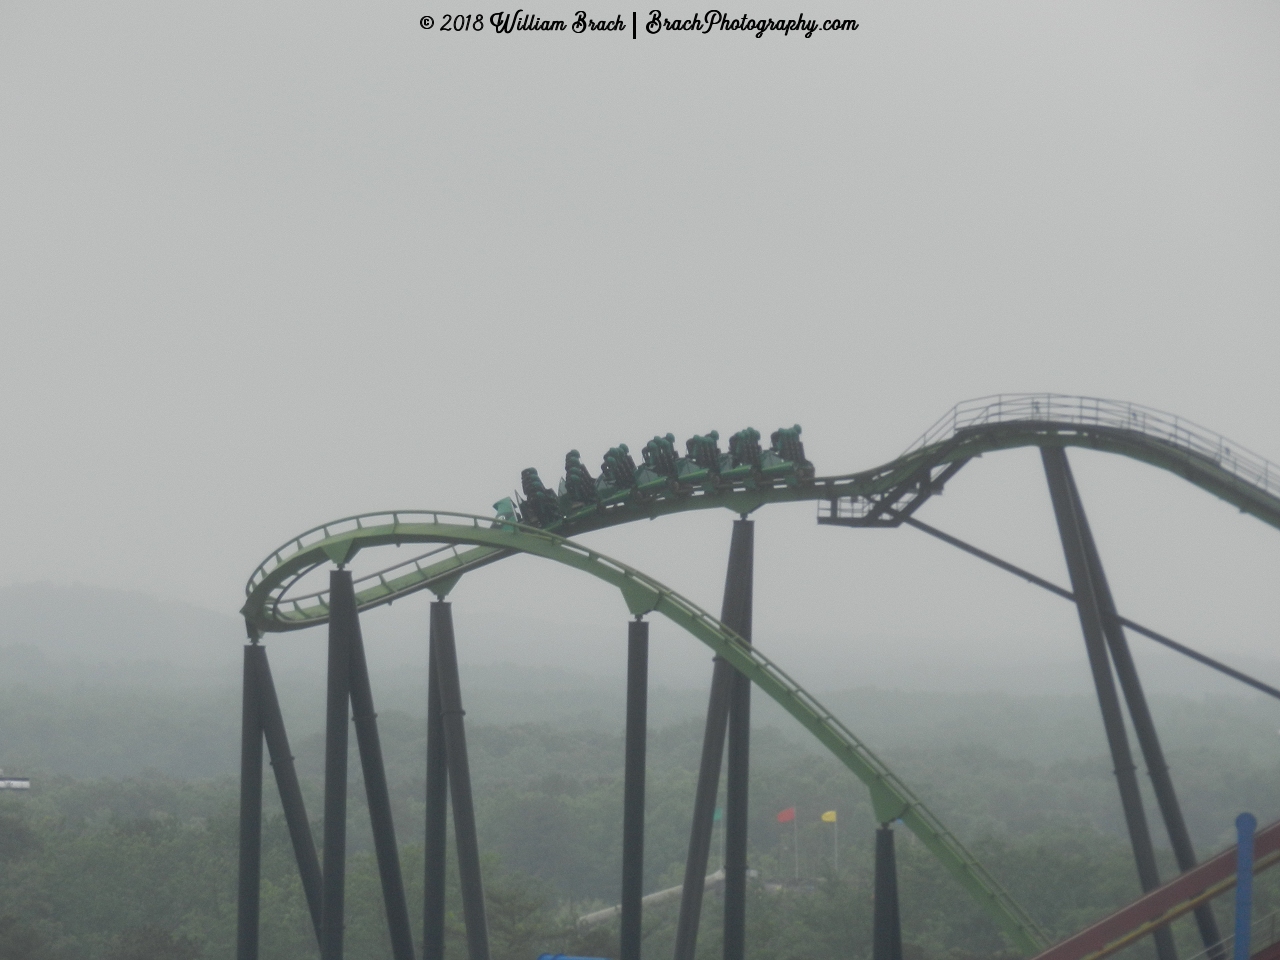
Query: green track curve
[891,798]
[881,496]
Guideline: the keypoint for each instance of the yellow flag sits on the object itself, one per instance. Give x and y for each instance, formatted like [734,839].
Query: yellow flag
[829,817]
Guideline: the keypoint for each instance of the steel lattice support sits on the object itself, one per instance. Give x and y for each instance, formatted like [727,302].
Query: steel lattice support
[633,789]
[1084,584]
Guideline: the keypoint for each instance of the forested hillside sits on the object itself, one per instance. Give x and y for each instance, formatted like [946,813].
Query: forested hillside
[125,847]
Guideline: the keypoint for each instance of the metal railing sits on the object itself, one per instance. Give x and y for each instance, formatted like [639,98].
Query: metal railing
[1266,932]
[280,596]
[1115,414]
[453,530]
[353,524]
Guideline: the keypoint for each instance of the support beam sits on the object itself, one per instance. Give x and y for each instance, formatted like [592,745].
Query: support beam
[704,808]
[435,848]
[1089,608]
[1068,595]
[342,614]
[248,900]
[378,796]
[736,613]
[295,812]
[886,929]
[633,789]
[1143,724]
[729,704]
[464,819]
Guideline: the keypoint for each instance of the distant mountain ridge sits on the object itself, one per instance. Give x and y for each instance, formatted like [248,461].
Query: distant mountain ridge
[82,629]
[77,633]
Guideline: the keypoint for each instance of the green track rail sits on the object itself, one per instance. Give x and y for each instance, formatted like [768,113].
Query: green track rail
[882,496]
[891,797]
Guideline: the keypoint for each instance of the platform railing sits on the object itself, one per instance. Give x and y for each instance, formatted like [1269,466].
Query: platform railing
[1115,414]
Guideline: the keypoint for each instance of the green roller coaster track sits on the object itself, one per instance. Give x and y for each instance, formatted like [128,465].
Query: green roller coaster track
[883,496]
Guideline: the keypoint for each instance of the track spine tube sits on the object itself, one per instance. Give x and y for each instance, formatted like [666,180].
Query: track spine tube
[737,615]
[337,713]
[1143,723]
[295,812]
[633,790]
[436,846]
[704,808]
[249,883]
[1067,513]
[378,796]
[464,818]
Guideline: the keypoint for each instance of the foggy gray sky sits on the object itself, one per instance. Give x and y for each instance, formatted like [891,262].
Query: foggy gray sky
[264,266]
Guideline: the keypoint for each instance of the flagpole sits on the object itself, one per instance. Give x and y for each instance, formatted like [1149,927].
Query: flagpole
[795,843]
[835,845]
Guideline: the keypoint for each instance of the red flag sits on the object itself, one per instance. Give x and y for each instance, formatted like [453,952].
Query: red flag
[787,815]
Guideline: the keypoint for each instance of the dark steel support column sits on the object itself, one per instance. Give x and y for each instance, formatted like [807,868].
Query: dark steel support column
[886,935]
[379,797]
[736,613]
[633,789]
[342,614]
[1143,724]
[435,848]
[704,808]
[464,820]
[248,902]
[730,703]
[1091,622]
[295,812]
